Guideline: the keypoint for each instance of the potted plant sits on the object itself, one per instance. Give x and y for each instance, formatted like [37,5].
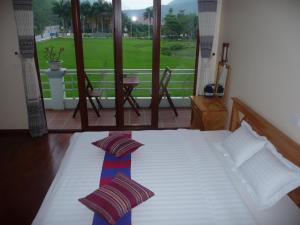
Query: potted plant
[53,57]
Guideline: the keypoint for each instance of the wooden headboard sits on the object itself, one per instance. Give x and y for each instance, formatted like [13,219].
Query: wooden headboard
[285,145]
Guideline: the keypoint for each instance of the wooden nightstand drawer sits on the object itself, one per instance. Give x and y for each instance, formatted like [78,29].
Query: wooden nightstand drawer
[214,120]
[208,113]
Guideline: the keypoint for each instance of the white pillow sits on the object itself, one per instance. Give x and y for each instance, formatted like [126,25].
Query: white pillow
[243,144]
[269,177]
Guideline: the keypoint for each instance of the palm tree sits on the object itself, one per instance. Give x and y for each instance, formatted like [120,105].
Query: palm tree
[148,14]
[101,10]
[106,14]
[85,9]
[58,9]
[62,8]
[68,14]
[97,9]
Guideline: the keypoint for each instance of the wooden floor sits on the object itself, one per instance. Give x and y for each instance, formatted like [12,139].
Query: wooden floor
[27,168]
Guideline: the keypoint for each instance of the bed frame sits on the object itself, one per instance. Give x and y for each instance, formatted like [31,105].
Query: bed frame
[285,145]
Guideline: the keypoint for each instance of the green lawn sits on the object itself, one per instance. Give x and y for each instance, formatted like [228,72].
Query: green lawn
[137,54]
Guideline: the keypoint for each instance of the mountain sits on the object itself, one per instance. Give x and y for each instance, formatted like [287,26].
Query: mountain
[189,6]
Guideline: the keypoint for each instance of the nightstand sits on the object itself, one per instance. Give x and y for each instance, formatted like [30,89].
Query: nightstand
[208,113]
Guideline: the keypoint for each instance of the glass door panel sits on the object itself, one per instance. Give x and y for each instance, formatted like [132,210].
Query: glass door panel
[179,24]
[137,61]
[54,41]
[97,26]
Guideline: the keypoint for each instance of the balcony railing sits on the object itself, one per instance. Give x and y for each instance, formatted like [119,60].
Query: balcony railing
[65,91]
[181,83]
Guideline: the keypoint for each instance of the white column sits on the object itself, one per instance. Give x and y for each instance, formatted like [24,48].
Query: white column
[56,78]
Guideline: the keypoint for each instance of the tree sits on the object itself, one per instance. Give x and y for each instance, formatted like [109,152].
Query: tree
[180,25]
[106,15]
[148,15]
[188,24]
[171,28]
[43,15]
[62,8]
[85,11]
[125,22]
[102,11]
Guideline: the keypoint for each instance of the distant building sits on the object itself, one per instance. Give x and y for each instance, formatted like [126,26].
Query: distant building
[51,31]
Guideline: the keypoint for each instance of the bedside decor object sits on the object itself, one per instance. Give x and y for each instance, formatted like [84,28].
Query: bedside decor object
[220,87]
[211,90]
[223,73]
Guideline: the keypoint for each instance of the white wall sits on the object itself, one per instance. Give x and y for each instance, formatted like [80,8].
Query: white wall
[265,58]
[13,113]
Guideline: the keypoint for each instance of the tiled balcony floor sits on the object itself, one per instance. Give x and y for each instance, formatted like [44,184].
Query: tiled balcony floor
[57,119]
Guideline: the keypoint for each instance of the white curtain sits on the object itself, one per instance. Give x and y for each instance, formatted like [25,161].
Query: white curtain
[207,23]
[24,21]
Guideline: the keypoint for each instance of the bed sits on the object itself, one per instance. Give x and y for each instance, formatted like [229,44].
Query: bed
[185,170]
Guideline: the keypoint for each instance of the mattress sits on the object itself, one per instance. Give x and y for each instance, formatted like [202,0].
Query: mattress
[181,167]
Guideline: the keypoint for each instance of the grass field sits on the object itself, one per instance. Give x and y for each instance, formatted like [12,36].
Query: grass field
[137,54]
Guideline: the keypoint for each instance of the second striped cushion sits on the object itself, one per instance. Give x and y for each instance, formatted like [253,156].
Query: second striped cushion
[118,145]
[114,200]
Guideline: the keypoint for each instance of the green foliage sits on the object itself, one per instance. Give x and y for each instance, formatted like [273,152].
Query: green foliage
[166,51]
[125,22]
[52,55]
[176,47]
[43,15]
[171,49]
[101,15]
[180,25]
[97,17]
[62,8]
[148,14]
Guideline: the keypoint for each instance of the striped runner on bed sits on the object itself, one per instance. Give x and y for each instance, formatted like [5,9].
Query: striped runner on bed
[111,166]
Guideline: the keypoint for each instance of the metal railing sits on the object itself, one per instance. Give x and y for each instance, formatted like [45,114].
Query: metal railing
[181,83]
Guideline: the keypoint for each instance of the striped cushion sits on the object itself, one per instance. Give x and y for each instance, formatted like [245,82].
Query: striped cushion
[118,145]
[114,200]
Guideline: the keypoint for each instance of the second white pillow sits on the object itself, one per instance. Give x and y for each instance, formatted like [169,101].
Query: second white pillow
[243,143]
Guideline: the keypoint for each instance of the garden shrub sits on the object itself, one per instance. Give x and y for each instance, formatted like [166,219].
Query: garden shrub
[166,51]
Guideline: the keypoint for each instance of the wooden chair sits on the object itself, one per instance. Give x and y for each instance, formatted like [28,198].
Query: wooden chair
[163,89]
[90,94]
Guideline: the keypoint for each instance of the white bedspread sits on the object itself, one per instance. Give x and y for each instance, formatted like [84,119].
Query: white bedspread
[180,167]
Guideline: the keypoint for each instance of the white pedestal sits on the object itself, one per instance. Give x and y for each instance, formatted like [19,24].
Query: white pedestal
[57,87]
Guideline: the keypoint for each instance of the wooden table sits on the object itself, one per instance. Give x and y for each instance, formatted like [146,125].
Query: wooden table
[208,113]
[129,83]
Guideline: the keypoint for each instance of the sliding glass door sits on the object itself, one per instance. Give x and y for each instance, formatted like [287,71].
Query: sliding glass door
[57,64]
[137,61]
[123,52]
[98,48]
[178,40]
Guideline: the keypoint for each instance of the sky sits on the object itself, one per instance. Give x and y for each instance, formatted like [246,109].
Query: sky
[139,4]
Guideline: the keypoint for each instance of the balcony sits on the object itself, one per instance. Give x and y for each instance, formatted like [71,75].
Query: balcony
[59,111]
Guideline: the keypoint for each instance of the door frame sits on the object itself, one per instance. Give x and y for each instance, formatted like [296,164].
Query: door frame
[118,59]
